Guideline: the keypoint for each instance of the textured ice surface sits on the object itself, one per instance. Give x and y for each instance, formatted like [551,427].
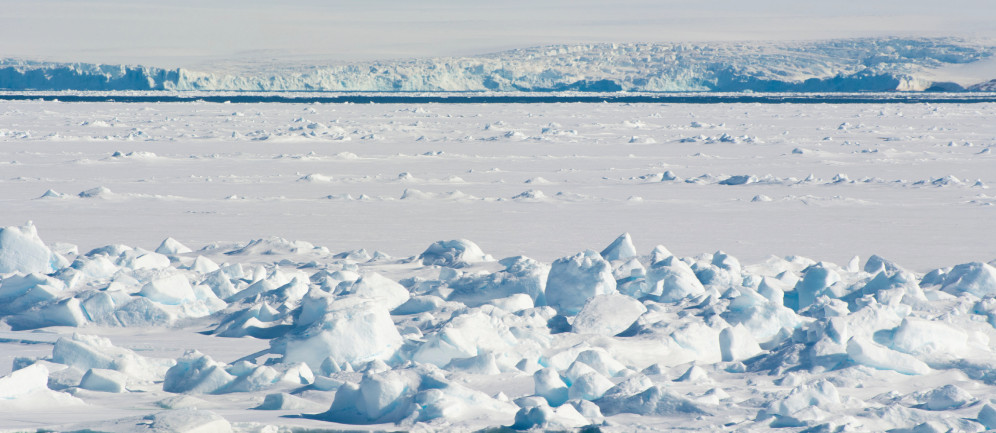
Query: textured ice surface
[787,343]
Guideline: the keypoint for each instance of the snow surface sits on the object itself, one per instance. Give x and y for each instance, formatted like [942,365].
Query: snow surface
[908,182]
[257,268]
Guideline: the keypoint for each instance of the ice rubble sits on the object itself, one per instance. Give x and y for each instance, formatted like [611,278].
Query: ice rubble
[592,339]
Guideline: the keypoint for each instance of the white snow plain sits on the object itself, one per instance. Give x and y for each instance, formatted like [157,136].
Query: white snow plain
[292,267]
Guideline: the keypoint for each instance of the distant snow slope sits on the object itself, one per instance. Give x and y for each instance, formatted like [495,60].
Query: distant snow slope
[988,86]
[882,64]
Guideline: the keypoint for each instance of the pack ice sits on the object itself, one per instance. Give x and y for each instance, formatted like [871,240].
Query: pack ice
[278,335]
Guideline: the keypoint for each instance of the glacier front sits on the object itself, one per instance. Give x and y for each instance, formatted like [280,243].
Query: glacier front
[839,65]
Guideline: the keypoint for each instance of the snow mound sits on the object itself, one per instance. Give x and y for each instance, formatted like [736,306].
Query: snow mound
[196,373]
[409,395]
[188,421]
[172,290]
[285,401]
[454,253]
[976,278]
[876,356]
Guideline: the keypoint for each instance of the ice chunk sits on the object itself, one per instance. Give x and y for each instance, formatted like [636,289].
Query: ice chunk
[466,335]
[273,245]
[700,339]
[204,265]
[147,260]
[27,388]
[600,360]
[586,383]
[798,404]
[196,372]
[538,416]
[451,402]
[455,253]
[608,315]
[694,374]
[381,393]
[815,282]
[171,290]
[99,379]
[620,249]
[655,400]
[740,179]
[300,374]
[172,247]
[484,363]
[380,398]
[736,343]
[987,416]
[98,267]
[550,386]
[384,290]
[659,253]
[21,250]
[16,286]
[514,303]
[920,337]
[182,402]
[220,284]
[86,352]
[574,280]
[256,379]
[722,272]
[352,330]
[419,304]
[63,313]
[869,353]
[673,280]
[143,312]
[99,308]
[24,381]
[521,275]
[876,264]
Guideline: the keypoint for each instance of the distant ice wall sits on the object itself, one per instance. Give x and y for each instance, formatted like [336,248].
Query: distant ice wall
[851,65]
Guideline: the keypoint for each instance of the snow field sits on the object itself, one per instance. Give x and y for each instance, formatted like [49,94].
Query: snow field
[565,176]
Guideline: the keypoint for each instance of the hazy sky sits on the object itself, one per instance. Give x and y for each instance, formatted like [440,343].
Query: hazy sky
[192,32]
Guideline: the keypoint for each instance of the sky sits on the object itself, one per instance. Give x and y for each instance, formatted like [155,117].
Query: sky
[196,32]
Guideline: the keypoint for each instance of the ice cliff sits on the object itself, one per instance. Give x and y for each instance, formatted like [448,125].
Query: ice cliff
[852,65]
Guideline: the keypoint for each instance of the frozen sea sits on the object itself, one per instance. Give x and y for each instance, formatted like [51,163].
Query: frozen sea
[816,266]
